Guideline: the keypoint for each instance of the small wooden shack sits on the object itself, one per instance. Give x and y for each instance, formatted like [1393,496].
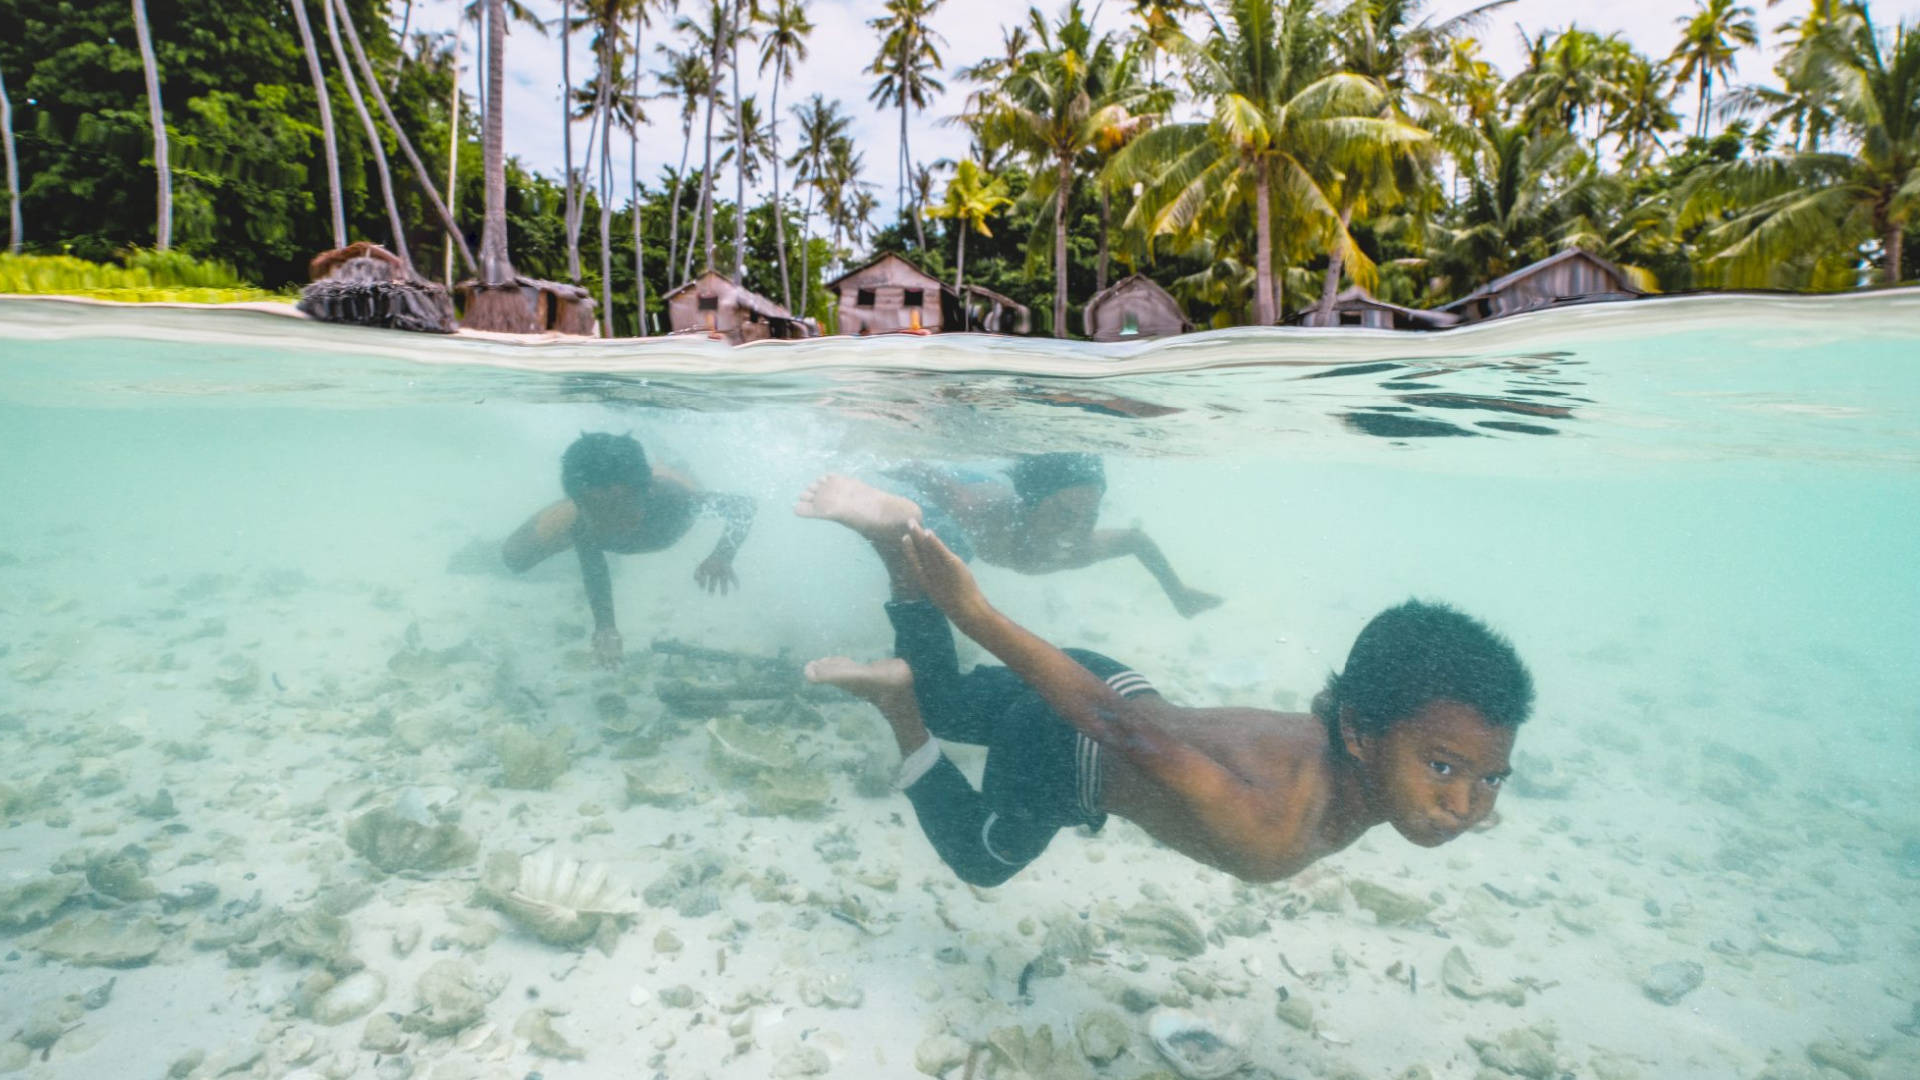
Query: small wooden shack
[891,294]
[525,305]
[1571,277]
[1134,307]
[1358,307]
[712,304]
[364,284]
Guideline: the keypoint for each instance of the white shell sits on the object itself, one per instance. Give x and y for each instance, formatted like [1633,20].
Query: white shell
[1194,1046]
[563,901]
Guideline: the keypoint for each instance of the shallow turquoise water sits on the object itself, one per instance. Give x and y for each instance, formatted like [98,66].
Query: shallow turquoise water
[1696,518]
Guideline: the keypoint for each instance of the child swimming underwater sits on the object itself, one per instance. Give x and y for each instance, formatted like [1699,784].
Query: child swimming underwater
[1415,732]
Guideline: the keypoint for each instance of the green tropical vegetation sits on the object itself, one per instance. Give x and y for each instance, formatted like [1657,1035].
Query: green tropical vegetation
[1256,157]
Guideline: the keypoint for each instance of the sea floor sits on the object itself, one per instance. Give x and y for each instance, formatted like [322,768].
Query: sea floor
[273,822]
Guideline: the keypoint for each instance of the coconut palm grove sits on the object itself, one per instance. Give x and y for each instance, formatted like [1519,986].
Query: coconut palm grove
[1253,157]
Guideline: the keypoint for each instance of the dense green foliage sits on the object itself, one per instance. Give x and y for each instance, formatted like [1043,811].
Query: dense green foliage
[145,276]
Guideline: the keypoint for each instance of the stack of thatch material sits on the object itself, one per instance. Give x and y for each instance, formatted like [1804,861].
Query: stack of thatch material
[364,284]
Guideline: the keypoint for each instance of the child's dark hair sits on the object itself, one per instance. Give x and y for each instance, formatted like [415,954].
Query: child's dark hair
[600,459]
[1036,476]
[1417,653]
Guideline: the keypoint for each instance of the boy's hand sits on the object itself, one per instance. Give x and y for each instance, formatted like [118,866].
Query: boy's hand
[715,574]
[942,575]
[608,651]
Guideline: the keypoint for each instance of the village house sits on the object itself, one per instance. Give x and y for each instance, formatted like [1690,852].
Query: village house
[1134,307]
[1358,307]
[1571,277]
[712,304]
[528,306]
[891,295]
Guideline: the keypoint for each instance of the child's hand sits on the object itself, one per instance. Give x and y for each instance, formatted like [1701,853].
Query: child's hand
[942,575]
[715,574]
[608,651]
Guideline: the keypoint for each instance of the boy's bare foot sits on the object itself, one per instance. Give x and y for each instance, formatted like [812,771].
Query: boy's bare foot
[882,682]
[879,516]
[1192,602]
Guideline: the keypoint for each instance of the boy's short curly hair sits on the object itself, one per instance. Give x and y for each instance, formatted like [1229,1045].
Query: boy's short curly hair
[1416,653]
[600,459]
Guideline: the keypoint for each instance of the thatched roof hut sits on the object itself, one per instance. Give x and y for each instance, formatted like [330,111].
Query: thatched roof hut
[526,305]
[712,304]
[1571,277]
[1358,307]
[364,284]
[1134,307]
[890,294]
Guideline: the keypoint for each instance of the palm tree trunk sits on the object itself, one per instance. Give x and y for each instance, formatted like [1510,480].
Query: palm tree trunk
[779,208]
[604,107]
[1065,185]
[739,160]
[163,167]
[960,264]
[633,181]
[1895,244]
[495,266]
[400,136]
[706,168]
[806,253]
[13,170]
[378,148]
[570,212]
[336,204]
[406,19]
[1265,304]
[453,150]
[1336,261]
[1106,216]
[673,207]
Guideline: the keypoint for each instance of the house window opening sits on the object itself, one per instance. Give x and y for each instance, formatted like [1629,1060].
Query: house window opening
[1352,318]
[914,297]
[709,303]
[1130,325]
[864,298]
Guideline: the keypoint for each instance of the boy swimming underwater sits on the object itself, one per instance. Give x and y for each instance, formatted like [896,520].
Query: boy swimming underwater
[1041,520]
[617,502]
[1415,732]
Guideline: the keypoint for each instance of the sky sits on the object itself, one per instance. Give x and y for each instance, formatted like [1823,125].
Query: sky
[842,47]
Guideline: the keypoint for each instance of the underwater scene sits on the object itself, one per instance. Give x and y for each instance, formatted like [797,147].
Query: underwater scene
[380,706]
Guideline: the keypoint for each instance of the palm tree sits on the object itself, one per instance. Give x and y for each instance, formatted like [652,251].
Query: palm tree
[375,145]
[712,36]
[689,79]
[783,46]
[907,59]
[634,117]
[1642,111]
[821,126]
[496,267]
[455,236]
[1709,40]
[1569,78]
[973,196]
[1281,119]
[1813,212]
[1051,109]
[319,77]
[1528,190]
[750,10]
[13,170]
[570,197]
[163,228]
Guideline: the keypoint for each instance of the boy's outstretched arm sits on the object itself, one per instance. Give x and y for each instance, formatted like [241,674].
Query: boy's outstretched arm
[715,573]
[1117,543]
[1236,815]
[607,647]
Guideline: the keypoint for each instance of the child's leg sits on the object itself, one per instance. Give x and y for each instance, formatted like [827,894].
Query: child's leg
[956,707]
[982,847]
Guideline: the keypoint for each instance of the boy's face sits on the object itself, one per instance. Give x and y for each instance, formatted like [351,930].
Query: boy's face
[1435,774]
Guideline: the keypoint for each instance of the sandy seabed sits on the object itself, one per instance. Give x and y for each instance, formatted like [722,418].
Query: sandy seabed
[205,774]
